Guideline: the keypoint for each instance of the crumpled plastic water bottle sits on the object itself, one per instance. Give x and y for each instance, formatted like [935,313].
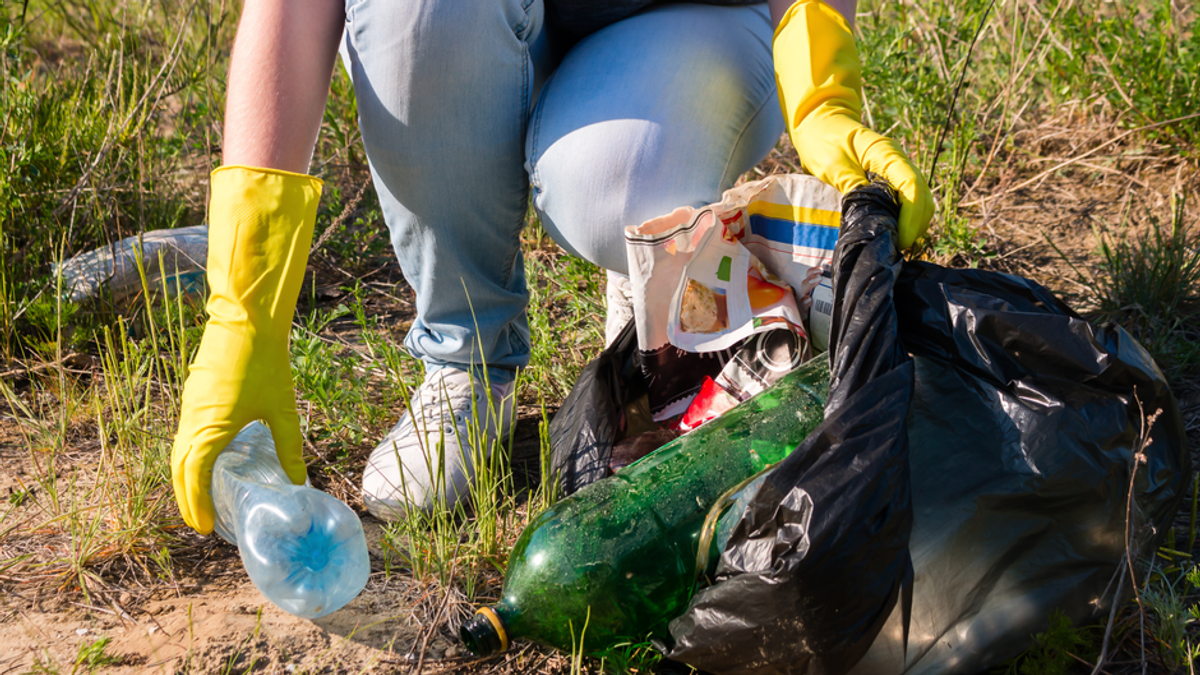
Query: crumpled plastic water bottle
[303,549]
[115,271]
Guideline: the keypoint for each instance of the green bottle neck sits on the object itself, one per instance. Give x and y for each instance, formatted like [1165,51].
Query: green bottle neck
[489,631]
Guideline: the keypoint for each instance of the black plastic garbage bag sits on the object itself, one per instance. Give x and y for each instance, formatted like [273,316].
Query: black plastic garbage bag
[820,557]
[594,415]
[1022,430]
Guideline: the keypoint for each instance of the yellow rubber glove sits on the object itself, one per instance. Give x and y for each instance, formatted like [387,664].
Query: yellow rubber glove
[260,229]
[820,83]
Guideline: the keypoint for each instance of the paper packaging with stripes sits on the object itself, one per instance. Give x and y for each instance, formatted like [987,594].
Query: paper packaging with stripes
[705,279]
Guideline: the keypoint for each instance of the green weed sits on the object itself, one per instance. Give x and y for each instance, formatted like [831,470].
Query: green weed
[1147,284]
[344,407]
[442,544]
[548,489]
[1146,53]
[958,239]
[566,321]
[339,130]
[1052,650]
[107,514]
[577,646]
[911,73]
[1174,600]
[43,664]
[92,656]
[80,141]
[245,657]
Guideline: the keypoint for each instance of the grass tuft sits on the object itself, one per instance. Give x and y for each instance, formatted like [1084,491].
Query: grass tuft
[1053,652]
[1148,283]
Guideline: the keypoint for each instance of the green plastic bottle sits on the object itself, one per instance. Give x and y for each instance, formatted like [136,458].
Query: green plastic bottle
[620,554]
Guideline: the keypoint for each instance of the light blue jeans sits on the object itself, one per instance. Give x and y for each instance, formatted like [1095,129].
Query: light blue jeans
[464,106]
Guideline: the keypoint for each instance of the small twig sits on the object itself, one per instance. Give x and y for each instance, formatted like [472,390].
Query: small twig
[424,644]
[962,76]
[121,612]
[162,630]
[1009,254]
[1116,83]
[1001,134]
[1006,98]
[318,255]
[1139,457]
[1112,615]
[379,288]
[345,214]
[1082,281]
[95,608]
[1099,670]
[327,464]
[29,370]
[467,666]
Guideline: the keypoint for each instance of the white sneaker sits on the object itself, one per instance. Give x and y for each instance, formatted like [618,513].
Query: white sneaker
[430,464]
[618,298]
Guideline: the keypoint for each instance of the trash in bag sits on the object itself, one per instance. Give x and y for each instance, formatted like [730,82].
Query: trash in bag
[605,423]
[620,556]
[600,411]
[819,557]
[762,253]
[704,280]
[112,271]
[1022,430]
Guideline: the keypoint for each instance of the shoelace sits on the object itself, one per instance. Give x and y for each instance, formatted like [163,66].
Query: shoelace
[445,395]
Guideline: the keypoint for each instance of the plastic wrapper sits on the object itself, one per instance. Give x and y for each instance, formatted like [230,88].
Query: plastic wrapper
[705,280]
[710,403]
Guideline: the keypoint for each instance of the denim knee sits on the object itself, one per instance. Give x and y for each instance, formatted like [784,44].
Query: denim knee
[691,107]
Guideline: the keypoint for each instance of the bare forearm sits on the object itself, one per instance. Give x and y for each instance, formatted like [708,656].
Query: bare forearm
[279,75]
[846,8]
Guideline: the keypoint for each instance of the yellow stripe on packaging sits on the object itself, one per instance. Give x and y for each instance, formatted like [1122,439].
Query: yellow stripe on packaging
[795,214]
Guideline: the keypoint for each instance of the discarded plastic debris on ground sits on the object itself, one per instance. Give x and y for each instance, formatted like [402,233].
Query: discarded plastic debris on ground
[1022,429]
[112,271]
[620,554]
[303,549]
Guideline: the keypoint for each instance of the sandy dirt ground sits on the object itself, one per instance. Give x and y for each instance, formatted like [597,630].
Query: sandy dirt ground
[211,619]
[221,623]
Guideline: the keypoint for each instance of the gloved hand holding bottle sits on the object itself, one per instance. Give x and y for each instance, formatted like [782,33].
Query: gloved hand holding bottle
[260,229]
[819,77]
